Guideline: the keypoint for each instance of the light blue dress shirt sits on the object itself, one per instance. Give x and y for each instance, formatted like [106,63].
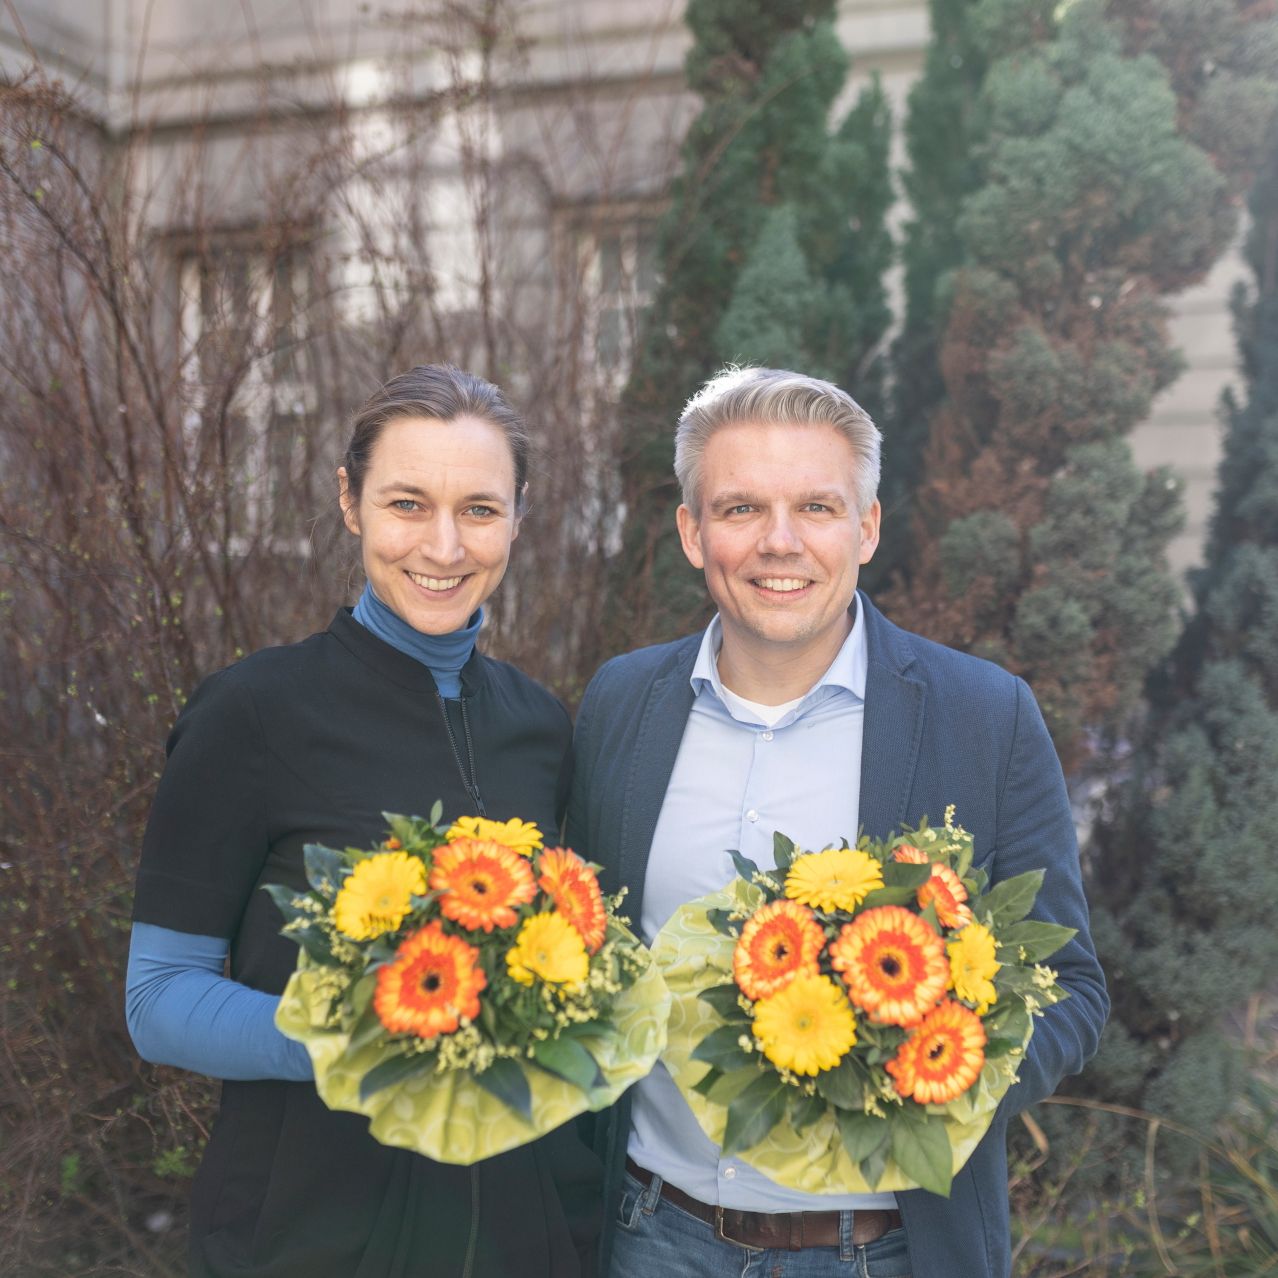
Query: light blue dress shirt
[736,780]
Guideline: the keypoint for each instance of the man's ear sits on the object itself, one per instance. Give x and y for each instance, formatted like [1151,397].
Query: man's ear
[350,516]
[690,536]
[870,532]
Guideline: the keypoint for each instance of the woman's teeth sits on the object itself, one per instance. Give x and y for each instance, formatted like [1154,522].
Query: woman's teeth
[435,583]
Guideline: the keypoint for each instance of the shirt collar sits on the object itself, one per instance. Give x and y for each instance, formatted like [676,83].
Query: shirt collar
[848,669]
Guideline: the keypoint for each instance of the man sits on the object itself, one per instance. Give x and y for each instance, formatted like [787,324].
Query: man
[802,709]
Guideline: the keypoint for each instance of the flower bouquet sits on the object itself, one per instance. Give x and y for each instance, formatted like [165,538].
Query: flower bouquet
[465,987]
[850,1021]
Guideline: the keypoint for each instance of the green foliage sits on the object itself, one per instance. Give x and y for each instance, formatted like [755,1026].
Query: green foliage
[1188,884]
[772,252]
[1085,197]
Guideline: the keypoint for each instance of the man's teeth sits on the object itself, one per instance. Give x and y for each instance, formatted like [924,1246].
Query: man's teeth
[435,583]
[782,583]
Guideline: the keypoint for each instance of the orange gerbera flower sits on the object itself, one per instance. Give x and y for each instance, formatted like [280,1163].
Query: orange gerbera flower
[778,942]
[946,892]
[942,1058]
[893,963]
[482,883]
[430,984]
[574,889]
[909,853]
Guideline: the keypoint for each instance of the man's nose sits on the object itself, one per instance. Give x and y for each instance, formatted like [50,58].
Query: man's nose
[780,536]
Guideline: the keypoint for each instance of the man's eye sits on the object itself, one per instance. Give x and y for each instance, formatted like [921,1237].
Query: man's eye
[404,503]
[481,512]
[817,506]
[744,508]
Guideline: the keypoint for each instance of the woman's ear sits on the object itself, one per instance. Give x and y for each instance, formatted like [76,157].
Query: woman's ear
[350,516]
[521,509]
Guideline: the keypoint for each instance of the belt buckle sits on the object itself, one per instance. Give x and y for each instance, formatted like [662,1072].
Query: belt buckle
[719,1230]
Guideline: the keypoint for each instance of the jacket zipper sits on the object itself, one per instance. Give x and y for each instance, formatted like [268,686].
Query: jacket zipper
[467,778]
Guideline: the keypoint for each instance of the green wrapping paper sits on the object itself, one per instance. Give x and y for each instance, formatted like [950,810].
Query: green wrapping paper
[448,1116]
[693,957]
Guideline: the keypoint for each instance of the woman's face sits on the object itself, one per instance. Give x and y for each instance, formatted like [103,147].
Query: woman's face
[435,518]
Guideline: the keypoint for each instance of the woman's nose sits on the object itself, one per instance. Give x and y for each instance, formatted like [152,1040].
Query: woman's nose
[442,542]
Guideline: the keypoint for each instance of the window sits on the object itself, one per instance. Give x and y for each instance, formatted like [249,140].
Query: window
[250,411]
[616,278]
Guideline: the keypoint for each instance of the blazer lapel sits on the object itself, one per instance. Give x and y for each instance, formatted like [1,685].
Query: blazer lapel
[652,760]
[895,708]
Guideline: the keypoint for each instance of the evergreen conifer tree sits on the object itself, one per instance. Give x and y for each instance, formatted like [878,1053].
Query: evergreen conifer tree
[772,251]
[942,137]
[1103,188]
[1187,884]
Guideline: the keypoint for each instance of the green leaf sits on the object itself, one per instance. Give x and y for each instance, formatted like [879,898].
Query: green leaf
[285,899]
[705,1085]
[746,868]
[874,1165]
[754,1113]
[723,922]
[805,1110]
[506,1080]
[569,1060]
[888,896]
[722,1049]
[362,993]
[1039,940]
[996,1047]
[921,1149]
[727,1087]
[783,850]
[865,1138]
[326,868]
[436,813]
[315,941]
[905,874]
[389,1072]
[843,1086]
[1011,900]
[723,998]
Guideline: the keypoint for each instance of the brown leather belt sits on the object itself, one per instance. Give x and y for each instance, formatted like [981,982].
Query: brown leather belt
[782,1230]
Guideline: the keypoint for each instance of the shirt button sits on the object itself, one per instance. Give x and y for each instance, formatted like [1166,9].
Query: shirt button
[752,815]
[767,736]
[729,1173]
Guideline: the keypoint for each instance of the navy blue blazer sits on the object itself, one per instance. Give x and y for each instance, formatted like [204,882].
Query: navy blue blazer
[941,727]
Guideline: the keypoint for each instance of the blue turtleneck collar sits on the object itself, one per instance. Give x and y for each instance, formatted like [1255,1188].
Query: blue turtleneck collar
[442,655]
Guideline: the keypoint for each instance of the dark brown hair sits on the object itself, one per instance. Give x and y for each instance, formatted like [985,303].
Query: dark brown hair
[444,393]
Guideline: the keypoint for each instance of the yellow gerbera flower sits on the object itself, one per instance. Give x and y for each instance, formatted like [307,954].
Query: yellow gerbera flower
[973,967]
[834,879]
[523,836]
[806,1026]
[377,895]
[550,947]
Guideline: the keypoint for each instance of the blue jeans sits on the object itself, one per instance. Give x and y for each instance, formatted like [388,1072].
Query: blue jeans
[656,1239]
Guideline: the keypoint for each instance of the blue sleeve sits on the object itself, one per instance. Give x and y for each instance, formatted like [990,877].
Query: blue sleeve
[181,1010]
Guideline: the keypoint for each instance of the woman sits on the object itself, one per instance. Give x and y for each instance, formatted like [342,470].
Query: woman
[388,710]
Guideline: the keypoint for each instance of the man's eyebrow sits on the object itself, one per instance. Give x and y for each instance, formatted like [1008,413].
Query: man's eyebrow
[721,501]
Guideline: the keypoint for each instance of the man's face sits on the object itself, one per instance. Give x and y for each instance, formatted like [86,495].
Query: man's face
[778,535]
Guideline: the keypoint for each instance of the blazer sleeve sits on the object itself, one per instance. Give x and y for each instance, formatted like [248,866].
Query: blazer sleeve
[1036,831]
